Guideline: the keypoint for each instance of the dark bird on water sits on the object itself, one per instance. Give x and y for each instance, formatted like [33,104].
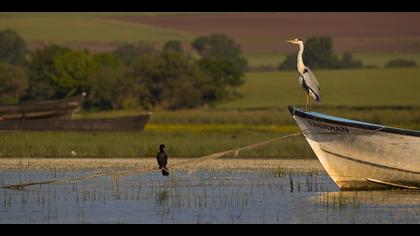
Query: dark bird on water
[162,160]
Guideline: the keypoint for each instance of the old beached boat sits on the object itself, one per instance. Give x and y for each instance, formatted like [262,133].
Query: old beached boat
[56,115]
[359,155]
[52,109]
[121,124]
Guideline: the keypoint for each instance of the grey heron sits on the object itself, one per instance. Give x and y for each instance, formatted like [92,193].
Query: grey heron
[307,79]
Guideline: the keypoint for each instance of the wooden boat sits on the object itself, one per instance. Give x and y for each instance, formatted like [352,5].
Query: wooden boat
[359,155]
[58,114]
[122,124]
[62,108]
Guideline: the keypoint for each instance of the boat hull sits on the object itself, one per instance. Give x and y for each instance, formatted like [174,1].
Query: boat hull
[360,156]
[122,124]
[53,109]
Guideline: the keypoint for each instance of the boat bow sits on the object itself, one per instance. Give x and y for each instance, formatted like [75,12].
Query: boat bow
[355,152]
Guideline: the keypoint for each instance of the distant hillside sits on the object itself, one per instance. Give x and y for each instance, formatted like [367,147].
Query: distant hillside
[375,38]
[257,32]
[84,30]
[266,32]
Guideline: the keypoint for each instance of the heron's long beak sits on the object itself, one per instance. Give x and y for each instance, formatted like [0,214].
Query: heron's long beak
[290,41]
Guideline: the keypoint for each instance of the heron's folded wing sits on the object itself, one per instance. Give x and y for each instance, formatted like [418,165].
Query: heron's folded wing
[312,83]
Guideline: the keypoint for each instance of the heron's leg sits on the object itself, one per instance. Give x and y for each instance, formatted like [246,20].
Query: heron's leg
[307,101]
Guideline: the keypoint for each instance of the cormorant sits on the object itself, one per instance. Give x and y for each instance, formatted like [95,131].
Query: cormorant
[162,160]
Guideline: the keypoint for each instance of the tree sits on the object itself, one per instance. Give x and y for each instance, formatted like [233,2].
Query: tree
[216,45]
[72,72]
[129,52]
[107,86]
[318,53]
[400,63]
[57,72]
[347,61]
[170,80]
[222,62]
[224,76]
[220,46]
[41,67]
[289,63]
[12,47]
[172,46]
[13,83]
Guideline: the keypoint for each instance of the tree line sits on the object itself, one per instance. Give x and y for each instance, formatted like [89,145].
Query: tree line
[142,76]
[319,54]
[131,76]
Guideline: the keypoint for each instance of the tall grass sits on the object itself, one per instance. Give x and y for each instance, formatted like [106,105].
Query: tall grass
[269,120]
[180,143]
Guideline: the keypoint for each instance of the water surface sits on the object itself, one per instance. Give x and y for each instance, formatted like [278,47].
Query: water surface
[206,196]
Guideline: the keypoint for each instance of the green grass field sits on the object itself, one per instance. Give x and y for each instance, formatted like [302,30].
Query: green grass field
[362,87]
[64,28]
[272,59]
[113,145]
[380,59]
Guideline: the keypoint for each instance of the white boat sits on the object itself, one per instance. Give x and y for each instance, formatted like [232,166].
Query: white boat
[362,156]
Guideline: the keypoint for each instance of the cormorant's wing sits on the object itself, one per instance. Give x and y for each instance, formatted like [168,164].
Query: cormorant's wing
[162,158]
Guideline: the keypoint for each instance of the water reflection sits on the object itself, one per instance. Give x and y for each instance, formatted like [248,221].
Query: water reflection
[372,198]
[393,206]
[162,198]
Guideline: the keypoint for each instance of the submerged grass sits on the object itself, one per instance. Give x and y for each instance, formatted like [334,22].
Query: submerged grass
[207,196]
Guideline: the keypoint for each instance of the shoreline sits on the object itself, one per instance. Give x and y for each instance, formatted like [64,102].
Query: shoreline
[305,165]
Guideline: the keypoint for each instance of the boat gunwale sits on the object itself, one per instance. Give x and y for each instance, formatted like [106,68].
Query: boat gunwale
[354,124]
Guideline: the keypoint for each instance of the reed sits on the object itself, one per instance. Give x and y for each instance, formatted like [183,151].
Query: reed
[181,141]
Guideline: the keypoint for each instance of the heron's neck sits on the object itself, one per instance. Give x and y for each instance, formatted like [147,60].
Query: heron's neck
[300,65]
